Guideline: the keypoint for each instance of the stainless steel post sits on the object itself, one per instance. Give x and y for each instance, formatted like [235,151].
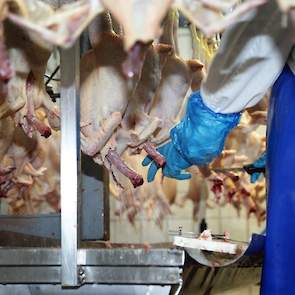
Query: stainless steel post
[70,163]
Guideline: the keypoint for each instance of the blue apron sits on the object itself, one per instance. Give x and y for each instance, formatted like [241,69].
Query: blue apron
[278,276]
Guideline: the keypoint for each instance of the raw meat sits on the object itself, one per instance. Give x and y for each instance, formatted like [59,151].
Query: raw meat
[208,15]
[140,19]
[136,119]
[61,28]
[26,89]
[174,85]
[104,97]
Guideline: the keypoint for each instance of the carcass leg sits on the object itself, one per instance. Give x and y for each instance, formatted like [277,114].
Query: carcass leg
[114,159]
[154,154]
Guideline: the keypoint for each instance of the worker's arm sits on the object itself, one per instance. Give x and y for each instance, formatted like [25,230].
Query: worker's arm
[252,54]
[250,58]
[196,140]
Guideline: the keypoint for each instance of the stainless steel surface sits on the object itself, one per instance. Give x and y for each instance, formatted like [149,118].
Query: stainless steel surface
[155,257]
[45,225]
[30,274]
[70,162]
[253,251]
[93,274]
[93,257]
[132,275]
[93,289]
[135,266]
[204,280]
[226,272]
[30,257]
[176,289]
[126,266]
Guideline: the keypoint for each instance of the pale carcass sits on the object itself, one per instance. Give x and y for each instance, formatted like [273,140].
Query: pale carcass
[26,89]
[34,183]
[175,81]
[104,98]
[136,119]
[141,19]
[62,27]
[215,16]
[197,50]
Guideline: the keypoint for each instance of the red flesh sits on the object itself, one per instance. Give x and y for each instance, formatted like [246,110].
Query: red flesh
[154,154]
[217,188]
[252,210]
[42,128]
[115,160]
[245,193]
[230,196]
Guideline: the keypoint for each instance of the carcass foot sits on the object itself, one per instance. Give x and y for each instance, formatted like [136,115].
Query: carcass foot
[154,154]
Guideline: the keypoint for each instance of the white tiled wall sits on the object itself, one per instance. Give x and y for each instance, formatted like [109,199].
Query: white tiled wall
[219,219]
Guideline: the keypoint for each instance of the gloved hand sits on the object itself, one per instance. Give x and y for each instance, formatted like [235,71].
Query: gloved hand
[174,164]
[196,140]
[259,163]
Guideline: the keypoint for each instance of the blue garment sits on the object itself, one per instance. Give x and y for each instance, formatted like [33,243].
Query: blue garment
[196,140]
[200,135]
[259,163]
[278,270]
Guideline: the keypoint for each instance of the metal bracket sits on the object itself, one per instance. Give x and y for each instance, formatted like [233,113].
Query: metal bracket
[81,275]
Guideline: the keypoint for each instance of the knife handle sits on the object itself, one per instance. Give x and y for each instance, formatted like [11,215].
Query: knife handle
[251,169]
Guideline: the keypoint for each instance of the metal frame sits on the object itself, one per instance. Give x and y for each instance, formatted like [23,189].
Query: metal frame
[108,266]
[70,163]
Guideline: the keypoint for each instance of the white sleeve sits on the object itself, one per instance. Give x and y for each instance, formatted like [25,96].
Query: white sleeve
[250,58]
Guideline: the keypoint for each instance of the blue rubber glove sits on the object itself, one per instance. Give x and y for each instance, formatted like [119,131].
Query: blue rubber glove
[174,164]
[196,140]
[259,163]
